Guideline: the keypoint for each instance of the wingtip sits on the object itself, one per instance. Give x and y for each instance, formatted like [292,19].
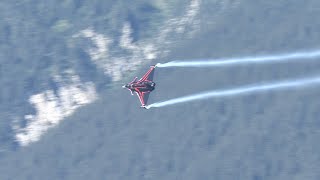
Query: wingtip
[144,106]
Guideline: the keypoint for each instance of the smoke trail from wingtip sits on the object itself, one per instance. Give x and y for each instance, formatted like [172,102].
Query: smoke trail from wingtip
[244,60]
[239,91]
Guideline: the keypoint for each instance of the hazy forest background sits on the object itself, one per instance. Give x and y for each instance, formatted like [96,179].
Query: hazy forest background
[63,114]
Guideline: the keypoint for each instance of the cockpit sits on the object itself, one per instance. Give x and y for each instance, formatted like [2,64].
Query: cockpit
[127,86]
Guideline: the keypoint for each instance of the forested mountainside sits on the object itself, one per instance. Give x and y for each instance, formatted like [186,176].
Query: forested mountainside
[64,115]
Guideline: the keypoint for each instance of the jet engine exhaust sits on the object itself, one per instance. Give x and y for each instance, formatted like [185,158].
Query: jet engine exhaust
[244,60]
[238,91]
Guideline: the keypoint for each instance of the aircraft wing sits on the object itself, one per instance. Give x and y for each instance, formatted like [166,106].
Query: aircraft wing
[143,97]
[148,75]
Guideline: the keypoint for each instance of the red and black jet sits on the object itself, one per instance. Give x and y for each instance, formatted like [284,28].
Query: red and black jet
[143,86]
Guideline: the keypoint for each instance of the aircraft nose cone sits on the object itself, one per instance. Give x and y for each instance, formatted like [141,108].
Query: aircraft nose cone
[124,86]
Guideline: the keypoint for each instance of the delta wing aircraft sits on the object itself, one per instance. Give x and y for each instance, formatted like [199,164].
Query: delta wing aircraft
[143,86]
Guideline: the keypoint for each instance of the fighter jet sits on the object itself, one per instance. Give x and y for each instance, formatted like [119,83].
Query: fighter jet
[142,87]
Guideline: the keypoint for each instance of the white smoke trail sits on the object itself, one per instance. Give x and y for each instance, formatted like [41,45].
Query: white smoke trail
[244,60]
[238,91]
